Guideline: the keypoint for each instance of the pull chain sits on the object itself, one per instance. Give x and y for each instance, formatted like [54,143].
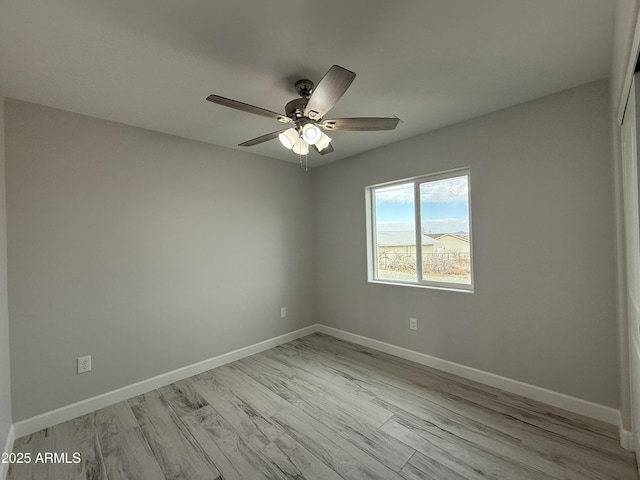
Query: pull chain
[305,165]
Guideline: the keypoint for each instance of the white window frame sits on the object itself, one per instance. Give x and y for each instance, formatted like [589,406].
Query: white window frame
[372,248]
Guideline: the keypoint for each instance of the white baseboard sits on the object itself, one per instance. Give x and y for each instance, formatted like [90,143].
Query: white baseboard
[626,437]
[626,440]
[567,402]
[560,400]
[8,447]
[62,414]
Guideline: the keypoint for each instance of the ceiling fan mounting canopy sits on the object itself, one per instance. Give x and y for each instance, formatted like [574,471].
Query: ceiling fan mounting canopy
[314,103]
[304,88]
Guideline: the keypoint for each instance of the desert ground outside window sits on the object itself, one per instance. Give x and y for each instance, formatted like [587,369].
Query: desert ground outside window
[419,231]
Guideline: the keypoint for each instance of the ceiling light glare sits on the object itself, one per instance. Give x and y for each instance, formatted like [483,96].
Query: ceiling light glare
[288,138]
[301,147]
[323,142]
[311,133]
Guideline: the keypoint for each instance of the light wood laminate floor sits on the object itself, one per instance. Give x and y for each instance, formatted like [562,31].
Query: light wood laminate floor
[321,408]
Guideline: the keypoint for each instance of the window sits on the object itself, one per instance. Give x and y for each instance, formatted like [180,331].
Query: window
[432,212]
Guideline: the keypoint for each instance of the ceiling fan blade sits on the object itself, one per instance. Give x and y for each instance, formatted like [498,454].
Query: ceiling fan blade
[325,150]
[262,139]
[361,124]
[245,107]
[330,89]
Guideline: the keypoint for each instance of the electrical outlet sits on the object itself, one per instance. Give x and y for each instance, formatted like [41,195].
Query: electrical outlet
[283,312]
[413,323]
[84,364]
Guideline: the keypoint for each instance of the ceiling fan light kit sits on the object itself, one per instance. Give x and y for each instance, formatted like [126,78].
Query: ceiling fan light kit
[288,138]
[309,135]
[307,114]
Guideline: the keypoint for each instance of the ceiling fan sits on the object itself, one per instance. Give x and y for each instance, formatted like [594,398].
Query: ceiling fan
[305,115]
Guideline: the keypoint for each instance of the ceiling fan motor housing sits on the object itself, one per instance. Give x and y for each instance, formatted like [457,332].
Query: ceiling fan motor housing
[295,108]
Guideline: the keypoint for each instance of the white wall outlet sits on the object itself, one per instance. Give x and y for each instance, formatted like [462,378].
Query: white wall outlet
[413,323]
[283,312]
[84,364]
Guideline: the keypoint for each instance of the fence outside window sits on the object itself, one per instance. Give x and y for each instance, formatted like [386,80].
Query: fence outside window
[442,263]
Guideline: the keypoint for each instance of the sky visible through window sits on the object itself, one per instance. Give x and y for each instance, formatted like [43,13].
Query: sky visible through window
[444,206]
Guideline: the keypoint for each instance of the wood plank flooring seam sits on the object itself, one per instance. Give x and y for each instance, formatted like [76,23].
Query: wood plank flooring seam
[99,450]
[407,461]
[173,409]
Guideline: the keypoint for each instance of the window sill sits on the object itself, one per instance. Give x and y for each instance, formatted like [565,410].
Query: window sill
[420,285]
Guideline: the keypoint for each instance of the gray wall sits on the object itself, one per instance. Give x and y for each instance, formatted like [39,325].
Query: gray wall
[5,377]
[543,311]
[148,252]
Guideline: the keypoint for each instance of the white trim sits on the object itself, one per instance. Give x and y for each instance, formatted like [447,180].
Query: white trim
[631,65]
[420,285]
[626,436]
[560,400]
[567,402]
[8,447]
[62,414]
[626,440]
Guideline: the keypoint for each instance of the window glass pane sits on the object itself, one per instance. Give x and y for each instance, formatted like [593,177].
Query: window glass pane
[446,246]
[395,232]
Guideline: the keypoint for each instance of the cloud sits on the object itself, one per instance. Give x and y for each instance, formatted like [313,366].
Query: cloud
[395,194]
[448,190]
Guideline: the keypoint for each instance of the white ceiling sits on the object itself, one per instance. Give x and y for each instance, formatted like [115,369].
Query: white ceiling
[151,63]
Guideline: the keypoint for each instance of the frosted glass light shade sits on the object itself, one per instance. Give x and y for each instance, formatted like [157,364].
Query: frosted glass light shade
[323,142]
[311,133]
[301,147]
[288,138]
